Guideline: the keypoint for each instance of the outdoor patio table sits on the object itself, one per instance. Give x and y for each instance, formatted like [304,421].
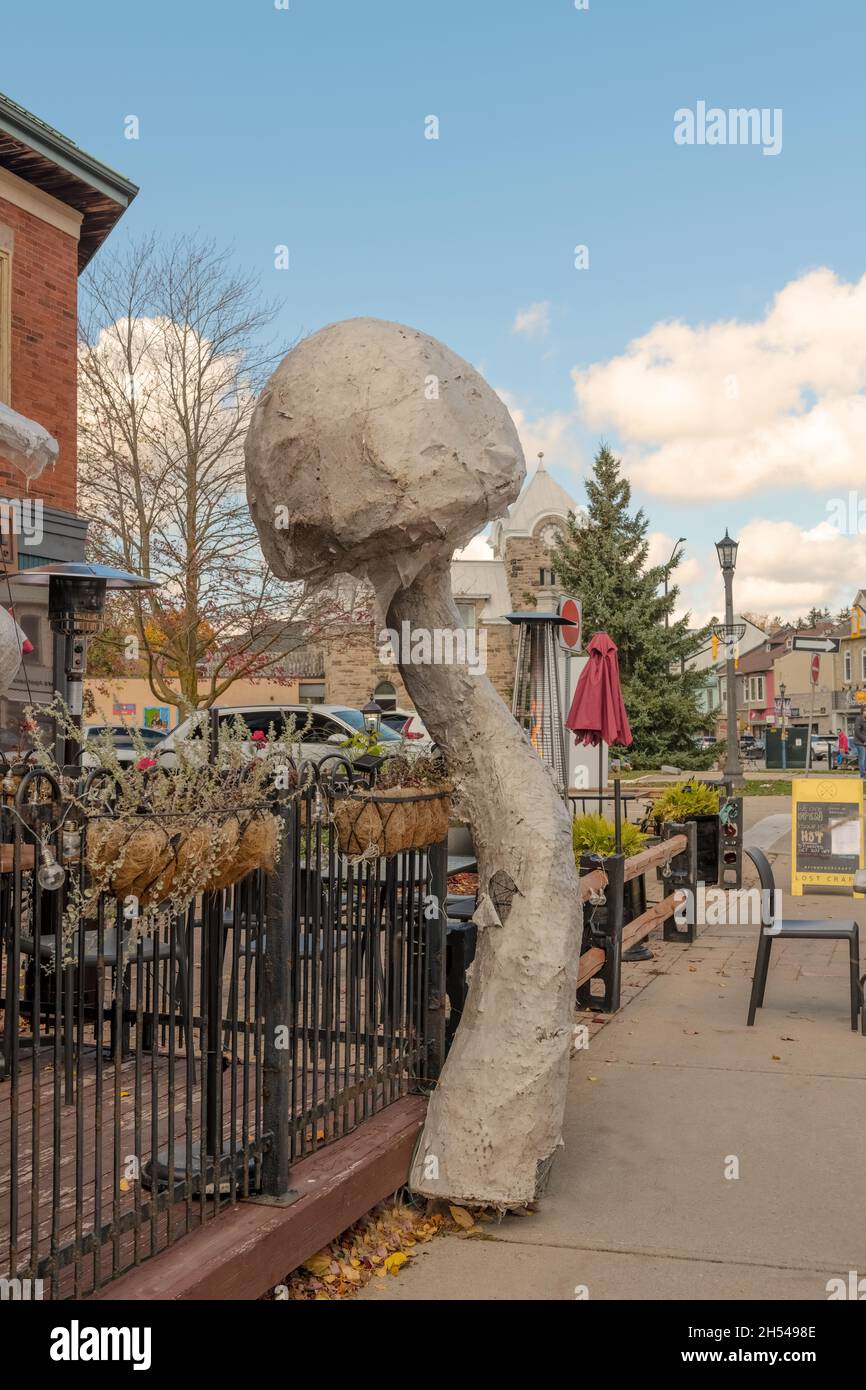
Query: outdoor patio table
[462,864]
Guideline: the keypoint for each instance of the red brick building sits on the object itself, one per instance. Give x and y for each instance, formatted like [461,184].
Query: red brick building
[57,206]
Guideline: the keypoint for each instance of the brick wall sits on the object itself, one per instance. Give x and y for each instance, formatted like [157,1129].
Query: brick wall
[501,655]
[44,307]
[525,557]
[352,670]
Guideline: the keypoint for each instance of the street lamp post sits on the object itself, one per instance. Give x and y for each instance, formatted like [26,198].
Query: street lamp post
[76,610]
[372,713]
[726,549]
[681,541]
[784,726]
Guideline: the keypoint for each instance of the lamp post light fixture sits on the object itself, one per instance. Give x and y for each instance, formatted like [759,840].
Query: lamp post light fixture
[76,611]
[726,549]
[681,541]
[372,713]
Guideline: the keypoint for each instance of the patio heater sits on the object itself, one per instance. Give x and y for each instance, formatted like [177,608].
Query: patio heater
[76,610]
[537,700]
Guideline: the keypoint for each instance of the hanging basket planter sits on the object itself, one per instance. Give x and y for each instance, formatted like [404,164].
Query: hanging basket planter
[150,863]
[384,823]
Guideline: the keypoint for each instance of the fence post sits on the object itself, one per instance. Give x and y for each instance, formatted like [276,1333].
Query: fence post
[276,1021]
[434,934]
[609,937]
[684,873]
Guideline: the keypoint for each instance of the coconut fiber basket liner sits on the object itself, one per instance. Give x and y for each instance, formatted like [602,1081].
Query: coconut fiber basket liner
[148,862]
[390,821]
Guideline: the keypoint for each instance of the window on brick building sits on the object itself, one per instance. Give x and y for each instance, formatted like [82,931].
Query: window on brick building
[311,692]
[5,327]
[385,695]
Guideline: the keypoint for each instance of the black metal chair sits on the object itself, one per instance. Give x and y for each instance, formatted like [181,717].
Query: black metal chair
[819,929]
[148,951]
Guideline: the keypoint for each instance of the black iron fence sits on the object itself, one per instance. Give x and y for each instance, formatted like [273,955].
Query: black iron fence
[150,1080]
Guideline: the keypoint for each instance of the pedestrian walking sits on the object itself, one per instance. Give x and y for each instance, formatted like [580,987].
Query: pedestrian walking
[842,747]
[858,737]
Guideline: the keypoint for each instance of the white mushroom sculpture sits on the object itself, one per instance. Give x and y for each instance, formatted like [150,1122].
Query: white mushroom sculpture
[14,646]
[25,443]
[376,451]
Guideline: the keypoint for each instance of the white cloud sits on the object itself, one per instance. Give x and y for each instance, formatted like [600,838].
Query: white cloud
[725,409]
[479,548]
[660,550]
[786,569]
[533,321]
[547,434]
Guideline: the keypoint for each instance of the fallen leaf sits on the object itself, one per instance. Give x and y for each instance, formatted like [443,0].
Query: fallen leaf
[463,1218]
[318,1264]
[395,1262]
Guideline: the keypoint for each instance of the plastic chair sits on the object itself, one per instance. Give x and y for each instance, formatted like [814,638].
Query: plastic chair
[816,929]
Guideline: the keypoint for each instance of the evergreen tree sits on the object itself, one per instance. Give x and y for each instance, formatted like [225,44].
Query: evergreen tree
[603,561]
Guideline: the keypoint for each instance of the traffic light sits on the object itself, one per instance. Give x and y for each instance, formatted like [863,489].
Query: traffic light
[715,647]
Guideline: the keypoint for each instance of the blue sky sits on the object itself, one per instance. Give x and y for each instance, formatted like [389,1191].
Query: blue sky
[305,126]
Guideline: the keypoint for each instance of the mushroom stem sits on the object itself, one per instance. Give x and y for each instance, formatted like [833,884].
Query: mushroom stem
[494,1120]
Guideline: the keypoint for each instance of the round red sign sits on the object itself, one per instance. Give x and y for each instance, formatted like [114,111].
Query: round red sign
[570,632]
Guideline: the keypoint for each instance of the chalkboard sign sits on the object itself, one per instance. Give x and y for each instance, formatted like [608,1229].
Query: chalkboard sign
[826,832]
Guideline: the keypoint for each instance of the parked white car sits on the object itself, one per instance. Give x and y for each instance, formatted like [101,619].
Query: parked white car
[408,725]
[129,744]
[323,729]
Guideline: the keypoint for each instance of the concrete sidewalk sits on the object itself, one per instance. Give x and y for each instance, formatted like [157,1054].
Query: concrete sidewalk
[673,1094]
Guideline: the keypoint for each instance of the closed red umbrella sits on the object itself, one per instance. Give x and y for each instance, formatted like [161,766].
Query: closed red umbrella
[597,716]
[597,713]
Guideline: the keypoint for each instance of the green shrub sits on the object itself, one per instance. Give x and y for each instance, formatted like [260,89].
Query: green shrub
[592,834]
[686,799]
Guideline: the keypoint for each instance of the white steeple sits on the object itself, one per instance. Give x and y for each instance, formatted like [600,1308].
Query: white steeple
[542,500]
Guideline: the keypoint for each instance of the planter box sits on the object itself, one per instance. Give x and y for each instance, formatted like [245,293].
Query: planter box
[634,901]
[708,832]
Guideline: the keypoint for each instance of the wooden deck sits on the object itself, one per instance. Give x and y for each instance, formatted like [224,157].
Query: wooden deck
[93,1191]
[89,1187]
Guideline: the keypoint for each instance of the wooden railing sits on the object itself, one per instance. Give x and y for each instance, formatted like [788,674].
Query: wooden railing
[608,935]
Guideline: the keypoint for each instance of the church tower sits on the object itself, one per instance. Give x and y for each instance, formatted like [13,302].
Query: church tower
[525,539]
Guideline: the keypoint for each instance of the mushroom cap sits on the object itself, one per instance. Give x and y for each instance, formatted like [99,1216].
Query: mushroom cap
[375,450]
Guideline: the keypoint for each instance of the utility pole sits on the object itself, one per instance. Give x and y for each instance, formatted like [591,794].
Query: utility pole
[681,541]
[726,549]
